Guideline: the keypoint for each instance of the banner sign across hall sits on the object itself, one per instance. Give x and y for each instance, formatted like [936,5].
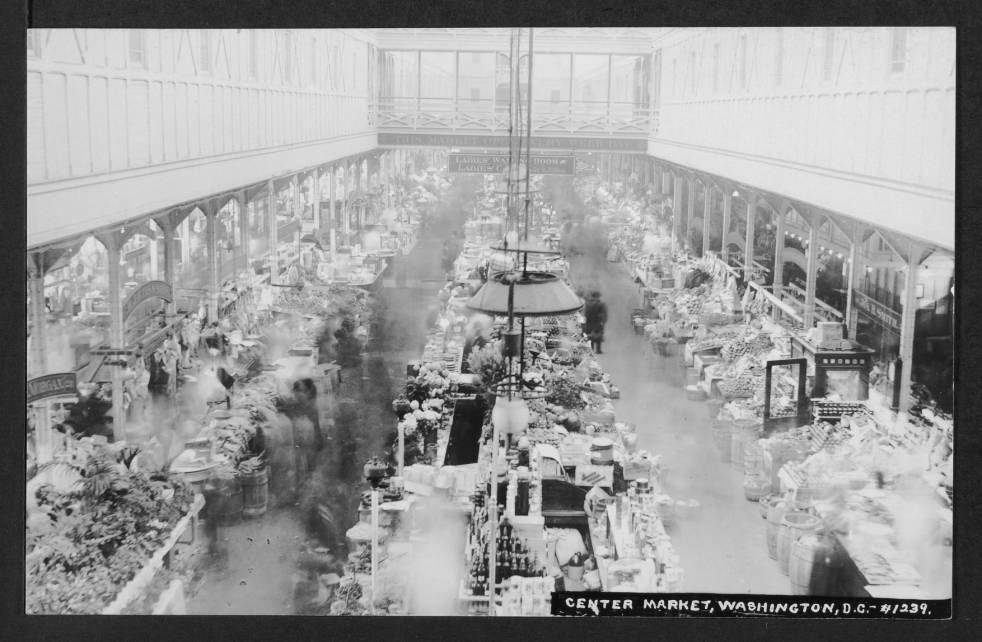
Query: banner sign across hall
[62,384]
[492,141]
[149,290]
[876,310]
[497,163]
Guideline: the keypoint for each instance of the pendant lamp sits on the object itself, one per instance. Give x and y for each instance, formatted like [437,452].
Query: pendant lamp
[535,294]
[510,416]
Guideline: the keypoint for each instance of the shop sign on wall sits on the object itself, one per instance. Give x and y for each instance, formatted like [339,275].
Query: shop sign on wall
[877,311]
[149,290]
[496,163]
[61,384]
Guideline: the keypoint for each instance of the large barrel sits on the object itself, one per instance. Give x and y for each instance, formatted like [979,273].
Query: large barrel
[224,496]
[722,435]
[793,526]
[715,407]
[255,493]
[775,513]
[744,432]
[753,460]
[810,566]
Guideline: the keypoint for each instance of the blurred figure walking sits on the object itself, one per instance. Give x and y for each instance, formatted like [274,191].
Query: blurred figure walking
[595,312]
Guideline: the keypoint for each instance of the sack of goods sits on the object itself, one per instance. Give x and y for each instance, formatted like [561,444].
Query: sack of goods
[602,452]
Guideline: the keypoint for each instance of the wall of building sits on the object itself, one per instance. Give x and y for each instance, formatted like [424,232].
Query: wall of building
[105,106]
[856,120]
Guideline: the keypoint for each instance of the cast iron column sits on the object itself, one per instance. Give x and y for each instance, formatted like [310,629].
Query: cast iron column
[39,321]
[778,282]
[273,233]
[748,242]
[724,250]
[907,318]
[116,334]
[811,272]
[707,213]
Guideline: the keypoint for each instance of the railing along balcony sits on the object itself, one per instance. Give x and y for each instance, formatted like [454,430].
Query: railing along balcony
[487,116]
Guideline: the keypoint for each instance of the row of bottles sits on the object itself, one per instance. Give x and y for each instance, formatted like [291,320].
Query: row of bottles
[513,557]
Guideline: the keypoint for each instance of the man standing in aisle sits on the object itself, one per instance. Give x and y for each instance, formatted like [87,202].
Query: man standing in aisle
[595,312]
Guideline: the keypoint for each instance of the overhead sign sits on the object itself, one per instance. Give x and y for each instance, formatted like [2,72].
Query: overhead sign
[876,311]
[497,163]
[149,290]
[63,384]
[491,141]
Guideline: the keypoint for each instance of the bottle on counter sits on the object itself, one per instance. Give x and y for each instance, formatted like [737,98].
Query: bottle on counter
[522,495]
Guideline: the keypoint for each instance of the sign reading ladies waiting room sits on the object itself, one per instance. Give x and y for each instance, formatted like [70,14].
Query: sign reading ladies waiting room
[496,163]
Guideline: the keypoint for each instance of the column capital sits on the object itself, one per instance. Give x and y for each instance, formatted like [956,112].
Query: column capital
[34,265]
[111,239]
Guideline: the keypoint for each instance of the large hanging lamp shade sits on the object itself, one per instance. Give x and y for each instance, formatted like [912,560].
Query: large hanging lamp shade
[536,294]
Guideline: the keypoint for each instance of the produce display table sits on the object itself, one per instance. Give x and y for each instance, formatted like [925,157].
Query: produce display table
[144,577]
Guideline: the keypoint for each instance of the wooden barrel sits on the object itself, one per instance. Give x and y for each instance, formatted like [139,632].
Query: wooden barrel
[753,460]
[722,437]
[800,564]
[811,565]
[765,504]
[744,432]
[775,514]
[793,526]
[230,503]
[255,493]
[715,408]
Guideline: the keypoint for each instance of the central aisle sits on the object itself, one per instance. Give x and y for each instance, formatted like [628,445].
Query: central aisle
[722,546]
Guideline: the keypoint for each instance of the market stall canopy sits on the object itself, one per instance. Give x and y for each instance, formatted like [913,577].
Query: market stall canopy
[535,294]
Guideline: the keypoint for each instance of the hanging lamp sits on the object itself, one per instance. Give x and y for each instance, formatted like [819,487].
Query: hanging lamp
[535,294]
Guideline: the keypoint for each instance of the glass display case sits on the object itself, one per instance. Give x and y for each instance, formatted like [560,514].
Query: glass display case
[785,399]
[844,373]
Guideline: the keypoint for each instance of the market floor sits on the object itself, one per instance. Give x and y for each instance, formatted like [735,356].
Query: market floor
[722,544]
[257,578]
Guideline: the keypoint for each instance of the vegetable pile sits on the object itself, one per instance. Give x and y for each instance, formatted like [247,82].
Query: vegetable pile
[86,544]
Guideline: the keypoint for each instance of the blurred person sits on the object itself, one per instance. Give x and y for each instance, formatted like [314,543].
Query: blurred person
[595,314]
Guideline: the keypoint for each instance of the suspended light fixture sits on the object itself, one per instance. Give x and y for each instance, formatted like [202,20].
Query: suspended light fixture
[517,292]
[525,294]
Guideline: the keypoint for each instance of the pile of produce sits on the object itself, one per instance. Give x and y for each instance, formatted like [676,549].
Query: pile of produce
[86,544]
[697,277]
[564,392]
[718,339]
[754,344]
[743,385]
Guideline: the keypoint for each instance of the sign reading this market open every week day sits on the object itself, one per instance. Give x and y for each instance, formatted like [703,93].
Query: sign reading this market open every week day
[62,384]
[496,163]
